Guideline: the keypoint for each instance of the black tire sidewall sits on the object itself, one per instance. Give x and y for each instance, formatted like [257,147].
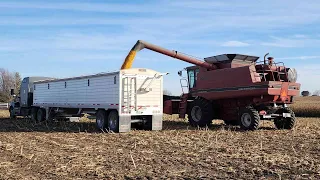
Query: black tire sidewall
[206,110]
[115,127]
[103,115]
[255,118]
[41,115]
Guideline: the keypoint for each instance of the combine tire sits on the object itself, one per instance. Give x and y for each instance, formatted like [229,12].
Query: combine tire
[285,122]
[41,115]
[101,119]
[200,113]
[249,118]
[113,121]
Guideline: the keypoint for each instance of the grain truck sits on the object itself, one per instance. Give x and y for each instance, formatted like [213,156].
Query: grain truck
[116,99]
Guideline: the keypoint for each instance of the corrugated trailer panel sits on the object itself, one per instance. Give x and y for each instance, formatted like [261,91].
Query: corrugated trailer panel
[87,91]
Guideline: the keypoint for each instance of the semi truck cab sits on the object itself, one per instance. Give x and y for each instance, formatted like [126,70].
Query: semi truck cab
[21,105]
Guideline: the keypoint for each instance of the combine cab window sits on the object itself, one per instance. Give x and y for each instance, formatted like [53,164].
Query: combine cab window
[192,77]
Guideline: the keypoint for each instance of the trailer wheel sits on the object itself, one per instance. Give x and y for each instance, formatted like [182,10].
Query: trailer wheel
[41,115]
[101,119]
[200,113]
[249,118]
[285,122]
[113,121]
[34,114]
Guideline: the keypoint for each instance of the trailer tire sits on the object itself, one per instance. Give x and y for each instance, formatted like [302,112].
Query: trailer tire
[200,113]
[285,123]
[101,119]
[249,118]
[34,114]
[41,115]
[113,121]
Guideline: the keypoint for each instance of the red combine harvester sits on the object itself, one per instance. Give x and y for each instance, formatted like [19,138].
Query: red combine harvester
[233,87]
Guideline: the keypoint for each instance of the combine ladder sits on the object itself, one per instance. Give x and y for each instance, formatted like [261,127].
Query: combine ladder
[129,93]
[184,99]
[183,105]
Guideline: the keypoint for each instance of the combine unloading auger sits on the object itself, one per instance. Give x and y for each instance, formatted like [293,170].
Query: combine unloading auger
[175,54]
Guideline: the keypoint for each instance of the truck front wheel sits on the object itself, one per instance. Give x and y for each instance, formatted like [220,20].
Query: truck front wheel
[12,115]
[34,114]
[200,113]
[41,115]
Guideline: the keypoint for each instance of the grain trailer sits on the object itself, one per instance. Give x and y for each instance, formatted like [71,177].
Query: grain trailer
[116,99]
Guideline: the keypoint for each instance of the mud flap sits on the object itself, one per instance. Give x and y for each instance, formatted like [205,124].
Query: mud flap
[124,123]
[157,122]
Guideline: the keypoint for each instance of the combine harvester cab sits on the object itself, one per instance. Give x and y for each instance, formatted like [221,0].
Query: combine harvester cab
[240,90]
[117,99]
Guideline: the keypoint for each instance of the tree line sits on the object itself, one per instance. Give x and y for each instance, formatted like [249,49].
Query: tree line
[8,80]
[308,93]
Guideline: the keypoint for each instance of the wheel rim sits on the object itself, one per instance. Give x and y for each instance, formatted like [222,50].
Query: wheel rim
[246,119]
[196,113]
[112,121]
[99,122]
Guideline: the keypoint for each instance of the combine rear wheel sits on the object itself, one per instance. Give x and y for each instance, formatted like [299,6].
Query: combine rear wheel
[285,122]
[200,113]
[249,118]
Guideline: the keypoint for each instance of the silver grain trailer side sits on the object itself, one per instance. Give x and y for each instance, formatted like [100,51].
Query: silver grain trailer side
[117,99]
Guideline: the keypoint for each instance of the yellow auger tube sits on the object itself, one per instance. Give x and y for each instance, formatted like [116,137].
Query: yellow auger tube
[129,60]
[142,44]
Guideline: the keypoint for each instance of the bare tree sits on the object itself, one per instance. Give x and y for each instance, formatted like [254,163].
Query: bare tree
[7,82]
[167,92]
[305,93]
[316,93]
[17,82]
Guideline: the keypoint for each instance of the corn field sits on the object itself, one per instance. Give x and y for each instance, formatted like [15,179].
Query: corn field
[75,150]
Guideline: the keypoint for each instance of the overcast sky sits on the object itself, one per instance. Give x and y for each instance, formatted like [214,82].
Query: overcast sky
[78,37]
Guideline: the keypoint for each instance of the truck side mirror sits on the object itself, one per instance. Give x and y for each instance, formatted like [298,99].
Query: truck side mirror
[12,92]
[180,73]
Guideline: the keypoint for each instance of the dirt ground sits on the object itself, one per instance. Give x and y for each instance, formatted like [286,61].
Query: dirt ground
[65,150]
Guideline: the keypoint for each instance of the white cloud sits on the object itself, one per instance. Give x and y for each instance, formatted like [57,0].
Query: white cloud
[299,58]
[291,42]
[235,44]
[300,36]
